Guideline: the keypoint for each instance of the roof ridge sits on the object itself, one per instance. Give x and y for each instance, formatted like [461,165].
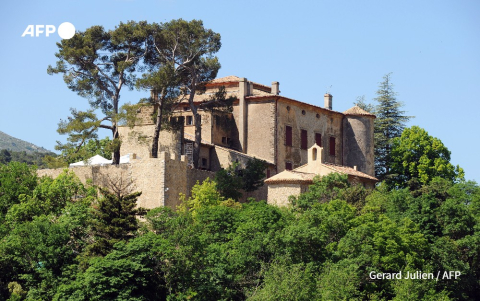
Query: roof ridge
[356,110]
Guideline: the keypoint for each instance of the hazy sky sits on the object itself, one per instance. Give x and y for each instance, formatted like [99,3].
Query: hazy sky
[432,49]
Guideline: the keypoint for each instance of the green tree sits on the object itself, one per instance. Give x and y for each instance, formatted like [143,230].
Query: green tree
[114,220]
[90,148]
[203,195]
[15,179]
[185,52]
[166,94]
[97,64]
[229,183]
[232,180]
[389,124]
[5,156]
[331,187]
[134,271]
[360,101]
[417,155]
[287,282]
[50,196]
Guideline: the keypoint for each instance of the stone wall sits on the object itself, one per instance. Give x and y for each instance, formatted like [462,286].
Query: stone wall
[312,119]
[160,180]
[222,157]
[278,193]
[261,129]
[138,140]
[260,194]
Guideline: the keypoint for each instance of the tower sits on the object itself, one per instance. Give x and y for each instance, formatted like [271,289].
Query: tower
[358,145]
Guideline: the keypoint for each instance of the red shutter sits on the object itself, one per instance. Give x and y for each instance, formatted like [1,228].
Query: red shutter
[318,139]
[303,136]
[332,146]
[288,135]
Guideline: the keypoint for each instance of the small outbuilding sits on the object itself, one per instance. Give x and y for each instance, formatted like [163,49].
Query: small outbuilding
[297,181]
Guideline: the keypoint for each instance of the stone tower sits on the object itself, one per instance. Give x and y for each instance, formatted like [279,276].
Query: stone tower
[358,144]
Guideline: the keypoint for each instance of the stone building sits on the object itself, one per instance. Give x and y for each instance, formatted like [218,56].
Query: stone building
[297,181]
[267,126]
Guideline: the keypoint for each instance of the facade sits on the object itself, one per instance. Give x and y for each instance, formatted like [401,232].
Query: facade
[268,126]
[297,140]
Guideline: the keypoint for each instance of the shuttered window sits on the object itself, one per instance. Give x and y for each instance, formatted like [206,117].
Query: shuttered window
[332,146]
[303,138]
[288,135]
[318,139]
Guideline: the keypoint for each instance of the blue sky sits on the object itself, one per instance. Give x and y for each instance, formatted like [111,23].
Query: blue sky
[432,49]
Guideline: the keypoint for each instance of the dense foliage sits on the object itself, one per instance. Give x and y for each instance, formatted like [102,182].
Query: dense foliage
[417,155]
[31,158]
[233,179]
[322,247]
[389,124]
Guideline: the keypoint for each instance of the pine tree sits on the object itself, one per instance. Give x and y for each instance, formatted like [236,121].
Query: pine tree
[389,124]
[114,220]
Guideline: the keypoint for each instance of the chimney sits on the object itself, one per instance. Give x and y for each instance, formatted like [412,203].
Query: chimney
[243,111]
[250,88]
[275,88]
[328,101]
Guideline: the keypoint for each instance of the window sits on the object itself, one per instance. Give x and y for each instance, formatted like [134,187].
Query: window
[288,135]
[303,139]
[189,120]
[204,162]
[303,112]
[318,115]
[332,146]
[268,173]
[226,140]
[288,165]
[318,139]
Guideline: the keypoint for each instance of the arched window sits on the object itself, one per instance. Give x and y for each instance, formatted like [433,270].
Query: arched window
[314,154]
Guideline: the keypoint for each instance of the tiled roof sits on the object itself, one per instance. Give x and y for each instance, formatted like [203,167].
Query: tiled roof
[233,79]
[259,94]
[226,79]
[356,110]
[267,95]
[297,177]
[348,171]
[291,177]
[242,154]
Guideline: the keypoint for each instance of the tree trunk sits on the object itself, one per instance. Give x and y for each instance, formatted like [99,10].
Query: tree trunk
[198,138]
[116,151]
[158,127]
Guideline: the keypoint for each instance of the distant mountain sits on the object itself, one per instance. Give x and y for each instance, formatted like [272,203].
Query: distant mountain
[17,145]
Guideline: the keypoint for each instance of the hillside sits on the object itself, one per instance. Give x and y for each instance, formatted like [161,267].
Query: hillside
[17,145]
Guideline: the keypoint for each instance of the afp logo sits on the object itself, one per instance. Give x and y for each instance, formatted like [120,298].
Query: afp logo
[66,30]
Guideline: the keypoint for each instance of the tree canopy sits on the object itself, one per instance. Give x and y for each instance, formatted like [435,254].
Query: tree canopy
[97,64]
[322,247]
[389,124]
[417,155]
